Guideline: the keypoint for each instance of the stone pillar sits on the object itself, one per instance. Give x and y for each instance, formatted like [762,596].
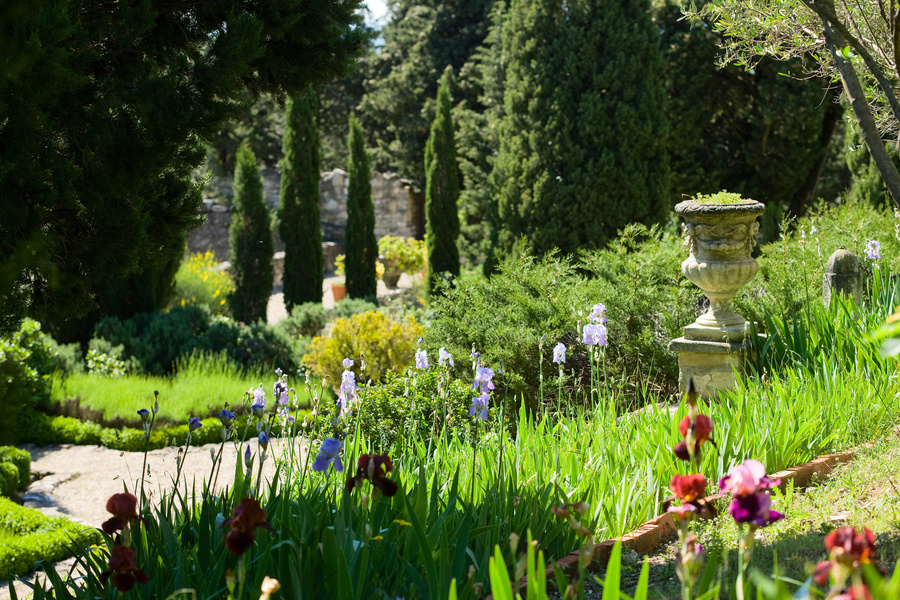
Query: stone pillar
[843,275]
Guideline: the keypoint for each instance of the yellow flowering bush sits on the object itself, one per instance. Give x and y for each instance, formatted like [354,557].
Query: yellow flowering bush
[199,281]
[387,345]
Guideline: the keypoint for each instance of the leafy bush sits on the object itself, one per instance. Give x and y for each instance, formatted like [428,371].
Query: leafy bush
[351,306]
[412,407]
[637,277]
[385,345]
[156,340]
[407,255]
[791,269]
[20,461]
[305,320]
[35,537]
[199,281]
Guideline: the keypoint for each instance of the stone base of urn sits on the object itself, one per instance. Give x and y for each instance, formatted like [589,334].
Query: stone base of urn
[712,365]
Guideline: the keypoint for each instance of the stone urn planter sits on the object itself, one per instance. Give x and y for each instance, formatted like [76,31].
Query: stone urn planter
[720,235]
[720,238]
[391,274]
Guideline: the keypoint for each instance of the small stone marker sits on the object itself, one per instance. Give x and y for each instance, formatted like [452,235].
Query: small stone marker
[843,275]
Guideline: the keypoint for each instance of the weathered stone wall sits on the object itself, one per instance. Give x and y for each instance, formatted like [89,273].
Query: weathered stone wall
[396,212]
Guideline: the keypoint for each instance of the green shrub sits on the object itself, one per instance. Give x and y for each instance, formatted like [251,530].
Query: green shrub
[199,281]
[21,462]
[306,319]
[9,479]
[385,345]
[155,341]
[637,277]
[403,407]
[351,306]
[36,537]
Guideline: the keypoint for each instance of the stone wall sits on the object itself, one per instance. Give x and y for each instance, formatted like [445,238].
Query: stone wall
[397,212]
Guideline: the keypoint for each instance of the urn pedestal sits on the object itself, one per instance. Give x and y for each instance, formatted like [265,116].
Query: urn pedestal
[720,239]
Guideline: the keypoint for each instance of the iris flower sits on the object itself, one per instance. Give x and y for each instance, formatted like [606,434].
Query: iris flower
[374,468]
[123,569]
[444,356]
[559,353]
[247,517]
[123,508]
[421,359]
[328,453]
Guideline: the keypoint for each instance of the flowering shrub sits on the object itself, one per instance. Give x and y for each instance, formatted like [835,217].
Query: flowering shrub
[385,345]
[200,281]
[409,255]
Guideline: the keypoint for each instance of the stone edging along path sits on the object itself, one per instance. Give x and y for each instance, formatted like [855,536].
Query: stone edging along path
[659,530]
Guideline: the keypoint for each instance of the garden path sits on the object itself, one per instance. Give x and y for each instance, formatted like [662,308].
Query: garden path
[76,481]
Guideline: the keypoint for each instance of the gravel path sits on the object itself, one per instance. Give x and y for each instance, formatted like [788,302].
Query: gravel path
[76,481]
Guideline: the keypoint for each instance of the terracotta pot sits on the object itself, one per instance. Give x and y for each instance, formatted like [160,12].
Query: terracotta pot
[339,291]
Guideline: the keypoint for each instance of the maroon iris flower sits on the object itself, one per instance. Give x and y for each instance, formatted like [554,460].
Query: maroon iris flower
[123,569]
[374,468]
[248,515]
[755,509]
[702,428]
[851,548]
[124,510]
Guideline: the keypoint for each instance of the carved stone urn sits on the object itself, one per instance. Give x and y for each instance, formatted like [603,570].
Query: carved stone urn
[720,238]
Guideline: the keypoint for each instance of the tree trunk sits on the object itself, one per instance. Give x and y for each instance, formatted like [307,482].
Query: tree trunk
[863,114]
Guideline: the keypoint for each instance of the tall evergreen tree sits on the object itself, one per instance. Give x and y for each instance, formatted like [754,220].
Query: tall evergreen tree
[250,241]
[361,248]
[582,148]
[441,191]
[299,211]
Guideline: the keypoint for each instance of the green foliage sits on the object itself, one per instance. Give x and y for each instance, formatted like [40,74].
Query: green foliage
[36,537]
[250,242]
[639,280]
[104,365]
[582,150]
[27,359]
[406,255]
[260,124]
[305,320]
[351,306]
[384,344]
[201,281]
[410,405]
[441,193]
[361,247]
[19,476]
[98,176]
[299,223]
[156,340]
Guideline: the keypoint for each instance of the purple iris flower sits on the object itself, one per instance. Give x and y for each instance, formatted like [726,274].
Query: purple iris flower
[257,408]
[559,353]
[348,363]
[421,359]
[598,313]
[226,416]
[248,457]
[194,424]
[259,396]
[281,392]
[348,390]
[755,509]
[264,440]
[444,356]
[483,379]
[594,335]
[873,250]
[480,405]
[145,414]
[328,453]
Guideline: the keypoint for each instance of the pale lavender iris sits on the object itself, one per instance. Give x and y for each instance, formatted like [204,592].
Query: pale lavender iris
[483,380]
[421,359]
[281,392]
[480,405]
[348,363]
[444,356]
[598,314]
[594,335]
[348,390]
[559,353]
[873,250]
[328,453]
[259,396]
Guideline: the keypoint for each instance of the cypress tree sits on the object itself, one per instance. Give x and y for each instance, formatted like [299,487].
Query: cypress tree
[250,240]
[441,191]
[361,248]
[299,211]
[582,149]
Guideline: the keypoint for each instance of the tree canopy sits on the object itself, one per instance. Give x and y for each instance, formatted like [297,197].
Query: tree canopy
[106,107]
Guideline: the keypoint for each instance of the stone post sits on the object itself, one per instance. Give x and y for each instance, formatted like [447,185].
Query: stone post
[843,275]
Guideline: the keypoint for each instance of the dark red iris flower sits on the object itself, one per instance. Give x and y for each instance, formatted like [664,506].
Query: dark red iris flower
[702,428]
[123,569]
[688,487]
[848,547]
[248,515]
[124,510]
[374,468]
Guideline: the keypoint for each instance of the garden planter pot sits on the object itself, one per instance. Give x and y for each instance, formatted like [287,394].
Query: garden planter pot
[719,238]
[338,290]
[391,278]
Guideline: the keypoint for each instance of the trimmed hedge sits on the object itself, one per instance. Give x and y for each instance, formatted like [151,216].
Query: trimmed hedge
[15,470]
[44,429]
[36,537]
